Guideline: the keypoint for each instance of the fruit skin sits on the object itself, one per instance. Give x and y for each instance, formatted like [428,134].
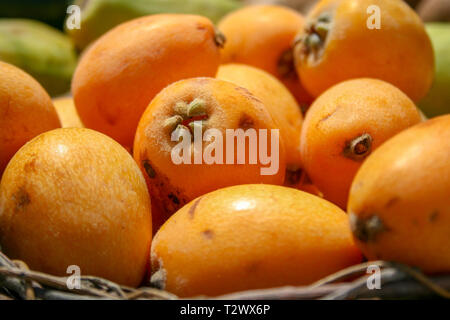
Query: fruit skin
[341,114]
[262,36]
[26,111]
[45,53]
[228,106]
[404,187]
[99,16]
[67,113]
[437,102]
[249,237]
[75,197]
[122,71]
[278,100]
[351,50]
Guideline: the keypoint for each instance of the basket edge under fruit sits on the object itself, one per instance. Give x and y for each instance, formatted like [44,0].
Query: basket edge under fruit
[396,281]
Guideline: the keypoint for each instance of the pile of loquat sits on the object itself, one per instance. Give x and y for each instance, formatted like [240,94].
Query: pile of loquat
[271,149]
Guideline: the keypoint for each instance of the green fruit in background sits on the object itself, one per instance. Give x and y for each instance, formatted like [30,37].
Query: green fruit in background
[45,53]
[99,16]
[437,102]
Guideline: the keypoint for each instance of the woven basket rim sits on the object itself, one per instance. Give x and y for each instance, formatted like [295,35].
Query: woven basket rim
[398,282]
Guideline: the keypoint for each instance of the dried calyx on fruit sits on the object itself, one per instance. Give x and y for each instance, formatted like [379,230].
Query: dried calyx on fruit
[366,230]
[187,116]
[286,65]
[359,148]
[219,38]
[312,40]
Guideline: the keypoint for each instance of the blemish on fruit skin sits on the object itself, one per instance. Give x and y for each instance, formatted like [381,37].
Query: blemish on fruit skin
[169,198]
[208,234]
[21,198]
[30,166]
[246,122]
[148,169]
[253,267]
[247,94]
[392,202]
[191,211]
[328,116]
[358,185]
[201,27]
[110,118]
[433,216]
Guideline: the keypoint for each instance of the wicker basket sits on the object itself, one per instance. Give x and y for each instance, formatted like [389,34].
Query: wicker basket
[397,282]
